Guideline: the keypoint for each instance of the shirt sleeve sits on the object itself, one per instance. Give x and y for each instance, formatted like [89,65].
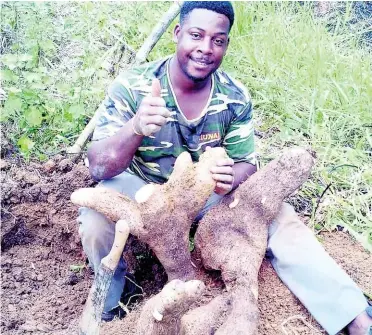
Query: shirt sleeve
[239,138]
[116,110]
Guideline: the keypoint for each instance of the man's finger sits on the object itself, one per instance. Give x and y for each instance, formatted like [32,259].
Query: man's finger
[151,129]
[156,119]
[222,188]
[155,88]
[222,170]
[225,162]
[159,111]
[225,178]
[154,101]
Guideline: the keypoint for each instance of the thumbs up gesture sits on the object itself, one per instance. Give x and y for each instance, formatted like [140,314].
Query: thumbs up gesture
[151,114]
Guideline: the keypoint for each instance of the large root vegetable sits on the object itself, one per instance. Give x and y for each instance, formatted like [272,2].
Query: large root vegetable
[234,241]
[232,238]
[162,214]
[228,313]
[208,318]
[161,315]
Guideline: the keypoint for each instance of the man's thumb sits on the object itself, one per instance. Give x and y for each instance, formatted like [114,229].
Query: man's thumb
[155,88]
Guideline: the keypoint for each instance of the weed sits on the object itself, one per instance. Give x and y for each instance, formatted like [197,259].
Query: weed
[77,268]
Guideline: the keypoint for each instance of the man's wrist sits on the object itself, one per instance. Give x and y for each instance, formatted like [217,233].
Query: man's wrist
[134,129]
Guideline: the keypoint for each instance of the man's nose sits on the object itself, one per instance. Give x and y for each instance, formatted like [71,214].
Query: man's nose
[205,46]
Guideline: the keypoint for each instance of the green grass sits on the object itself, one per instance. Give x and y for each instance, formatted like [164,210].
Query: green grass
[53,66]
[316,87]
[311,86]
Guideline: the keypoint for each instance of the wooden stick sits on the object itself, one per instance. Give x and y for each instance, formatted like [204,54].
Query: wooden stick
[84,137]
[141,56]
[157,32]
[92,313]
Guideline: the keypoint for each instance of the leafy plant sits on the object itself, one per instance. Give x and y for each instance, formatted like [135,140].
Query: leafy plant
[77,268]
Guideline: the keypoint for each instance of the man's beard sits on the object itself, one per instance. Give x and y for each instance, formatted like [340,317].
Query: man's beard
[197,79]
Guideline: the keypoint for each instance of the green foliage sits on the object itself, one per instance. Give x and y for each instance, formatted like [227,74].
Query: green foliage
[311,86]
[191,244]
[316,88]
[52,65]
[77,268]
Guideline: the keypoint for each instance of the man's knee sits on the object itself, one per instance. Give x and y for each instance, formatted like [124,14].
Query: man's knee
[92,224]
[125,183]
[287,222]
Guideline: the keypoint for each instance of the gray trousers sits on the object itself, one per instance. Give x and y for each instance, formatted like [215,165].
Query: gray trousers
[298,258]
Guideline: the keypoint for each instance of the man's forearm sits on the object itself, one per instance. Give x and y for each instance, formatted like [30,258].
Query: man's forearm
[242,171]
[111,156]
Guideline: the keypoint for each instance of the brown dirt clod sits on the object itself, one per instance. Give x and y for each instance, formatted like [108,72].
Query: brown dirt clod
[50,166]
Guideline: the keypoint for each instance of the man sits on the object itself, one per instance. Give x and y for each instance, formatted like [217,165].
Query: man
[184,103]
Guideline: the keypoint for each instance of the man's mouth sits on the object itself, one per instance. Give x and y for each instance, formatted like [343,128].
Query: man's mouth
[202,62]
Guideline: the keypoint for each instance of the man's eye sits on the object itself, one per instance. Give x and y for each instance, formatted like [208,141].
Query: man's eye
[219,42]
[195,35]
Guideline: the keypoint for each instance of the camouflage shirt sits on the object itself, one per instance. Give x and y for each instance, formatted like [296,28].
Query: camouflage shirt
[226,120]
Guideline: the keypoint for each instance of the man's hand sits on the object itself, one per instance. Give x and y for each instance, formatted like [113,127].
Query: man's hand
[151,114]
[223,174]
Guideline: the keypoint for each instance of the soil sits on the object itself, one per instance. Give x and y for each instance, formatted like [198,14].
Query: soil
[45,278]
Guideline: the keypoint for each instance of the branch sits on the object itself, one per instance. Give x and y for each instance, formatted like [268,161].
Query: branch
[157,32]
[84,137]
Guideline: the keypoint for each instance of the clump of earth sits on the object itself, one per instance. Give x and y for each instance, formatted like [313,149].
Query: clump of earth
[45,276]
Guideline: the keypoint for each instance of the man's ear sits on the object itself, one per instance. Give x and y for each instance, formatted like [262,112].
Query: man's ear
[227,45]
[176,32]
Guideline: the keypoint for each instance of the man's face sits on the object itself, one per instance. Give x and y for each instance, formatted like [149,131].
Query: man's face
[202,42]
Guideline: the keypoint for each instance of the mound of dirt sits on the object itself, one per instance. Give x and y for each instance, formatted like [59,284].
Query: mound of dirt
[39,243]
[45,277]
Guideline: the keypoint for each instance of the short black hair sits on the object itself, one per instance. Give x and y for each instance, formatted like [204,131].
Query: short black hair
[221,7]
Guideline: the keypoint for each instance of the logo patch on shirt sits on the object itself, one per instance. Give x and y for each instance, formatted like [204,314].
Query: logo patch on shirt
[215,136]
